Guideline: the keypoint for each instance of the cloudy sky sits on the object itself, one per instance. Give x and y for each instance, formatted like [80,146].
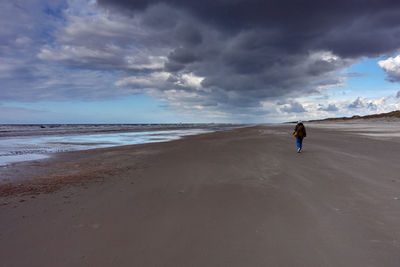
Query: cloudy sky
[135,61]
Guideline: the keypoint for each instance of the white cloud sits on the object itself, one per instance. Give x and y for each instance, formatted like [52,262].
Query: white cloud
[392,67]
[317,109]
[293,107]
[139,61]
[23,40]
[327,56]
[66,52]
[93,38]
[154,80]
[333,85]
[189,80]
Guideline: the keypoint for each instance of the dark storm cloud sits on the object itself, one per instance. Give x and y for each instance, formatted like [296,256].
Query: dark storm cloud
[258,50]
[346,27]
[183,56]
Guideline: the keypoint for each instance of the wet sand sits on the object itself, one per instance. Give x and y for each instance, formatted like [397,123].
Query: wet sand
[234,198]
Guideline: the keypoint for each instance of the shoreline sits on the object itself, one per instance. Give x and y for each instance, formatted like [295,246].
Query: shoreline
[22,148]
[50,179]
[234,198]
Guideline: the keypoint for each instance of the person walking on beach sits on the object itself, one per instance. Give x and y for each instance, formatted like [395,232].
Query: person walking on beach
[299,133]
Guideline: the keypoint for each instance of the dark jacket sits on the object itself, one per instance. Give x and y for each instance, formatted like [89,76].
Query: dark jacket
[301,130]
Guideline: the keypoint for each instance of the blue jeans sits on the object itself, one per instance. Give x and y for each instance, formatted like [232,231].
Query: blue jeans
[299,142]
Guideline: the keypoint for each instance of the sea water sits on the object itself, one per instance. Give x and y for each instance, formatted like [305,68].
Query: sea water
[33,142]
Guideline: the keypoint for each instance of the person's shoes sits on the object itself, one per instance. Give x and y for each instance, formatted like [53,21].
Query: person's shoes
[298,150]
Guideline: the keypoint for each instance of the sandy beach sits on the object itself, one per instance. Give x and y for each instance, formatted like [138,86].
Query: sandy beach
[234,198]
